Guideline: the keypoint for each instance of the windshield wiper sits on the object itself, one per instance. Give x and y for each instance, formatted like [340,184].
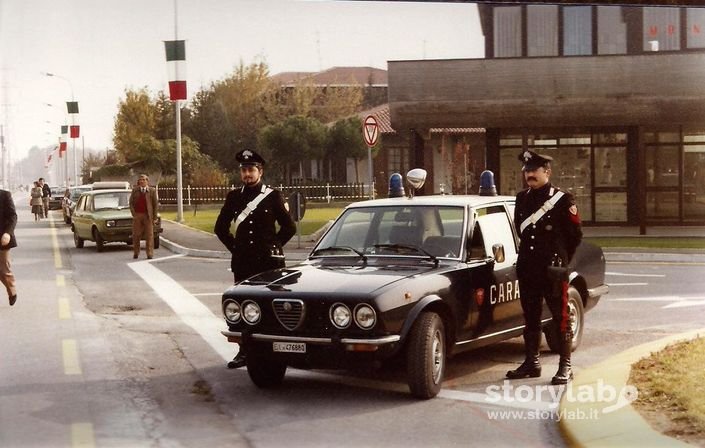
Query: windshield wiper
[407,247]
[338,248]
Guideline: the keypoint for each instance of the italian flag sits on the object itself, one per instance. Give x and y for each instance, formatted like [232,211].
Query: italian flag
[62,140]
[72,107]
[176,64]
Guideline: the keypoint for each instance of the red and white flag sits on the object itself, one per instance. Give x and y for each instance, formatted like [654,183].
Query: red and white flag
[72,107]
[62,140]
[176,64]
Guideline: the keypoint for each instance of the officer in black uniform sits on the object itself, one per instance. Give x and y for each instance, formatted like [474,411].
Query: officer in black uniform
[548,224]
[256,246]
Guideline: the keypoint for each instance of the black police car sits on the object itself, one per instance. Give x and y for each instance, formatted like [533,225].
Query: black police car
[423,277]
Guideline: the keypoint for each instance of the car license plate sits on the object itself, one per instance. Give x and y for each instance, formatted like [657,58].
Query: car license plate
[289,347]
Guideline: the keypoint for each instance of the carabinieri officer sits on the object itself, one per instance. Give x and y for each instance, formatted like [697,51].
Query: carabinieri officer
[547,221]
[256,246]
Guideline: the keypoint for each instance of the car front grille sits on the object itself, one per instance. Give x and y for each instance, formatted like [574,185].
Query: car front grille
[290,312]
[123,223]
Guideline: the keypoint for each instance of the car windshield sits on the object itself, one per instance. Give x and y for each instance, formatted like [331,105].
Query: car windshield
[115,200]
[395,230]
[76,193]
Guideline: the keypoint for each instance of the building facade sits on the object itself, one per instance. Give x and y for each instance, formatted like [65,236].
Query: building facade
[613,93]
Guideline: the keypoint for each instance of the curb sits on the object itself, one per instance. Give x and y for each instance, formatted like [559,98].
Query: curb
[178,249]
[625,426]
[658,257]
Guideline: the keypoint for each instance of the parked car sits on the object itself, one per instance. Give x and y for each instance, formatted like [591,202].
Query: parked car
[57,193]
[103,216]
[111,185]
[68,202]
[422,278]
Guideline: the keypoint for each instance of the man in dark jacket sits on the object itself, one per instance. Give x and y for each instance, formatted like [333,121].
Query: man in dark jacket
[256,246]
[46,195]
[8,221]
[548,224]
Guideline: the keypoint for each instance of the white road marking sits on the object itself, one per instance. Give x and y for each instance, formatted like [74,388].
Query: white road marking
[82,435]
[624,274]
[69,351]
[676,301]
[189,309]
[627,284]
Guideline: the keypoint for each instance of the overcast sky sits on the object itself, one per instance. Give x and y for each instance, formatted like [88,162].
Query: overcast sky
[101,47]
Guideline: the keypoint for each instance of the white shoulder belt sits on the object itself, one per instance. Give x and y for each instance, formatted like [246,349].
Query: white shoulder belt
[251,206]
[538,214]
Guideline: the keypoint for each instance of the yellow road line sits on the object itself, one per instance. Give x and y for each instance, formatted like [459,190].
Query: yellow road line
[72,365]
[82,435]
[60,280]
[55,245]
[64,308]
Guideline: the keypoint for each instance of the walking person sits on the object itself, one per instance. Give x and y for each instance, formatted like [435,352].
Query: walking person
[547,221]
[35,201]
[256,246]
[144,206]
[46,195]
[8,221]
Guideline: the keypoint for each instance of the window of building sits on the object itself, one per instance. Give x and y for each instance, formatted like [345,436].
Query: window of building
[695,30]
[611,166]
[542,30]
[507,31]
[694,175]
[611,30]
[662,29]
[397,159]
[611,207]
[662,166]
[577,30]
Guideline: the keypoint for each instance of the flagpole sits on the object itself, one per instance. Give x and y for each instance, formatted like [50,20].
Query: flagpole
[177,112]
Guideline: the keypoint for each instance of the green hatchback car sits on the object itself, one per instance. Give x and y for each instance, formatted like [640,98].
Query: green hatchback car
[103,216]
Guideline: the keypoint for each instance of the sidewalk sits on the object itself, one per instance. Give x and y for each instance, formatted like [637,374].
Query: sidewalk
[182,239]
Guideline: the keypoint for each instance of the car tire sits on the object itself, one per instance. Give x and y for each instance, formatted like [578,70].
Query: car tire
[67,219]
[265,373]
[576,316]
[156,241]
[426,356]
[77,240]
[99,241]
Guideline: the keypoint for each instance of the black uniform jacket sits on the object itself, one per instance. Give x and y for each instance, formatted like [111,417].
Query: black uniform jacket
[256,239]
[8,218]
[556,234]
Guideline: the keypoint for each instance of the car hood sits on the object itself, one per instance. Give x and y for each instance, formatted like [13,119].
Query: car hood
[112,214]
[322,277]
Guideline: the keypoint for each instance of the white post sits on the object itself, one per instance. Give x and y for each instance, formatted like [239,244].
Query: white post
[179,193]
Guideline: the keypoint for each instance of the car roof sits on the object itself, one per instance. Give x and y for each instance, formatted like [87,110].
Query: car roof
[104,185]
[112,190]
[436,200]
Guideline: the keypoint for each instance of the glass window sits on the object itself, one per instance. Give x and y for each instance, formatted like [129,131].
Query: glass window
[662,137]
[694,182]
[662,166]
[611,167]
[511,177]
[570,170]
[496,228]
[611,207]
[542,30]
[396,160]
[577,30]
[611,30]
[662,29]
[693,136]
[612,137]
[507,31]
[662,205]
[695,31]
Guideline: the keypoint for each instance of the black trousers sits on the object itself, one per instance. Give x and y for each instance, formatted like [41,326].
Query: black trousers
[535,289]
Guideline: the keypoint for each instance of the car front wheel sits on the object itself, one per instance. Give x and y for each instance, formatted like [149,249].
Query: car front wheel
[426,356]
[265,373]
[99,242]
[576,316]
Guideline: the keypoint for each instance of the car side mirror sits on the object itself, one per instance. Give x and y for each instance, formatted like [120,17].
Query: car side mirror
[498,252]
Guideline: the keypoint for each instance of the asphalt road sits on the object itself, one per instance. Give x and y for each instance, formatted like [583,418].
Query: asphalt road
[110,351]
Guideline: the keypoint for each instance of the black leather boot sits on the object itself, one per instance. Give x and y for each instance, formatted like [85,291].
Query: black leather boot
[238,361]
[531,367]
[565,372]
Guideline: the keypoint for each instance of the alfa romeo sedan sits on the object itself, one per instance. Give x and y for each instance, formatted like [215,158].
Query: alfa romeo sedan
[424,278]
[103,216]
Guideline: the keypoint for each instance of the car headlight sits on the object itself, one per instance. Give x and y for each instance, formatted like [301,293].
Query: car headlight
[110,223]
[340,315]
[251,312]
[232,311]
[365,316]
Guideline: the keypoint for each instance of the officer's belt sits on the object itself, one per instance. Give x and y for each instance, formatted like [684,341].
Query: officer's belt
[251,206]
[538,214]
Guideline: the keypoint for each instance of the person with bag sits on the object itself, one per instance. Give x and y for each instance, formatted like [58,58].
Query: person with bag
[547,222]
[35,201]
[8,221]
[255,208]
[46,195]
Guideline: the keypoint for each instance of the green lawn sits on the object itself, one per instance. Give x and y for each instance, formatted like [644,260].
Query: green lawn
[650,242]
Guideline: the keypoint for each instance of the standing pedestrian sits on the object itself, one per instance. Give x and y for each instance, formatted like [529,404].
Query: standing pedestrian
[8,221]
[144,206]
[548,224]
[35,201]
[256,246]
[46,194]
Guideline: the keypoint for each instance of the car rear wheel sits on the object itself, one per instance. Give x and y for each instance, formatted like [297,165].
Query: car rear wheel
[156,241]
[265,373]
[99,242]
[426,356]
[77,240]
[576,316]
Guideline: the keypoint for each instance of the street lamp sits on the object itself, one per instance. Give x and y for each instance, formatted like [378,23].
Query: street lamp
[73,144]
